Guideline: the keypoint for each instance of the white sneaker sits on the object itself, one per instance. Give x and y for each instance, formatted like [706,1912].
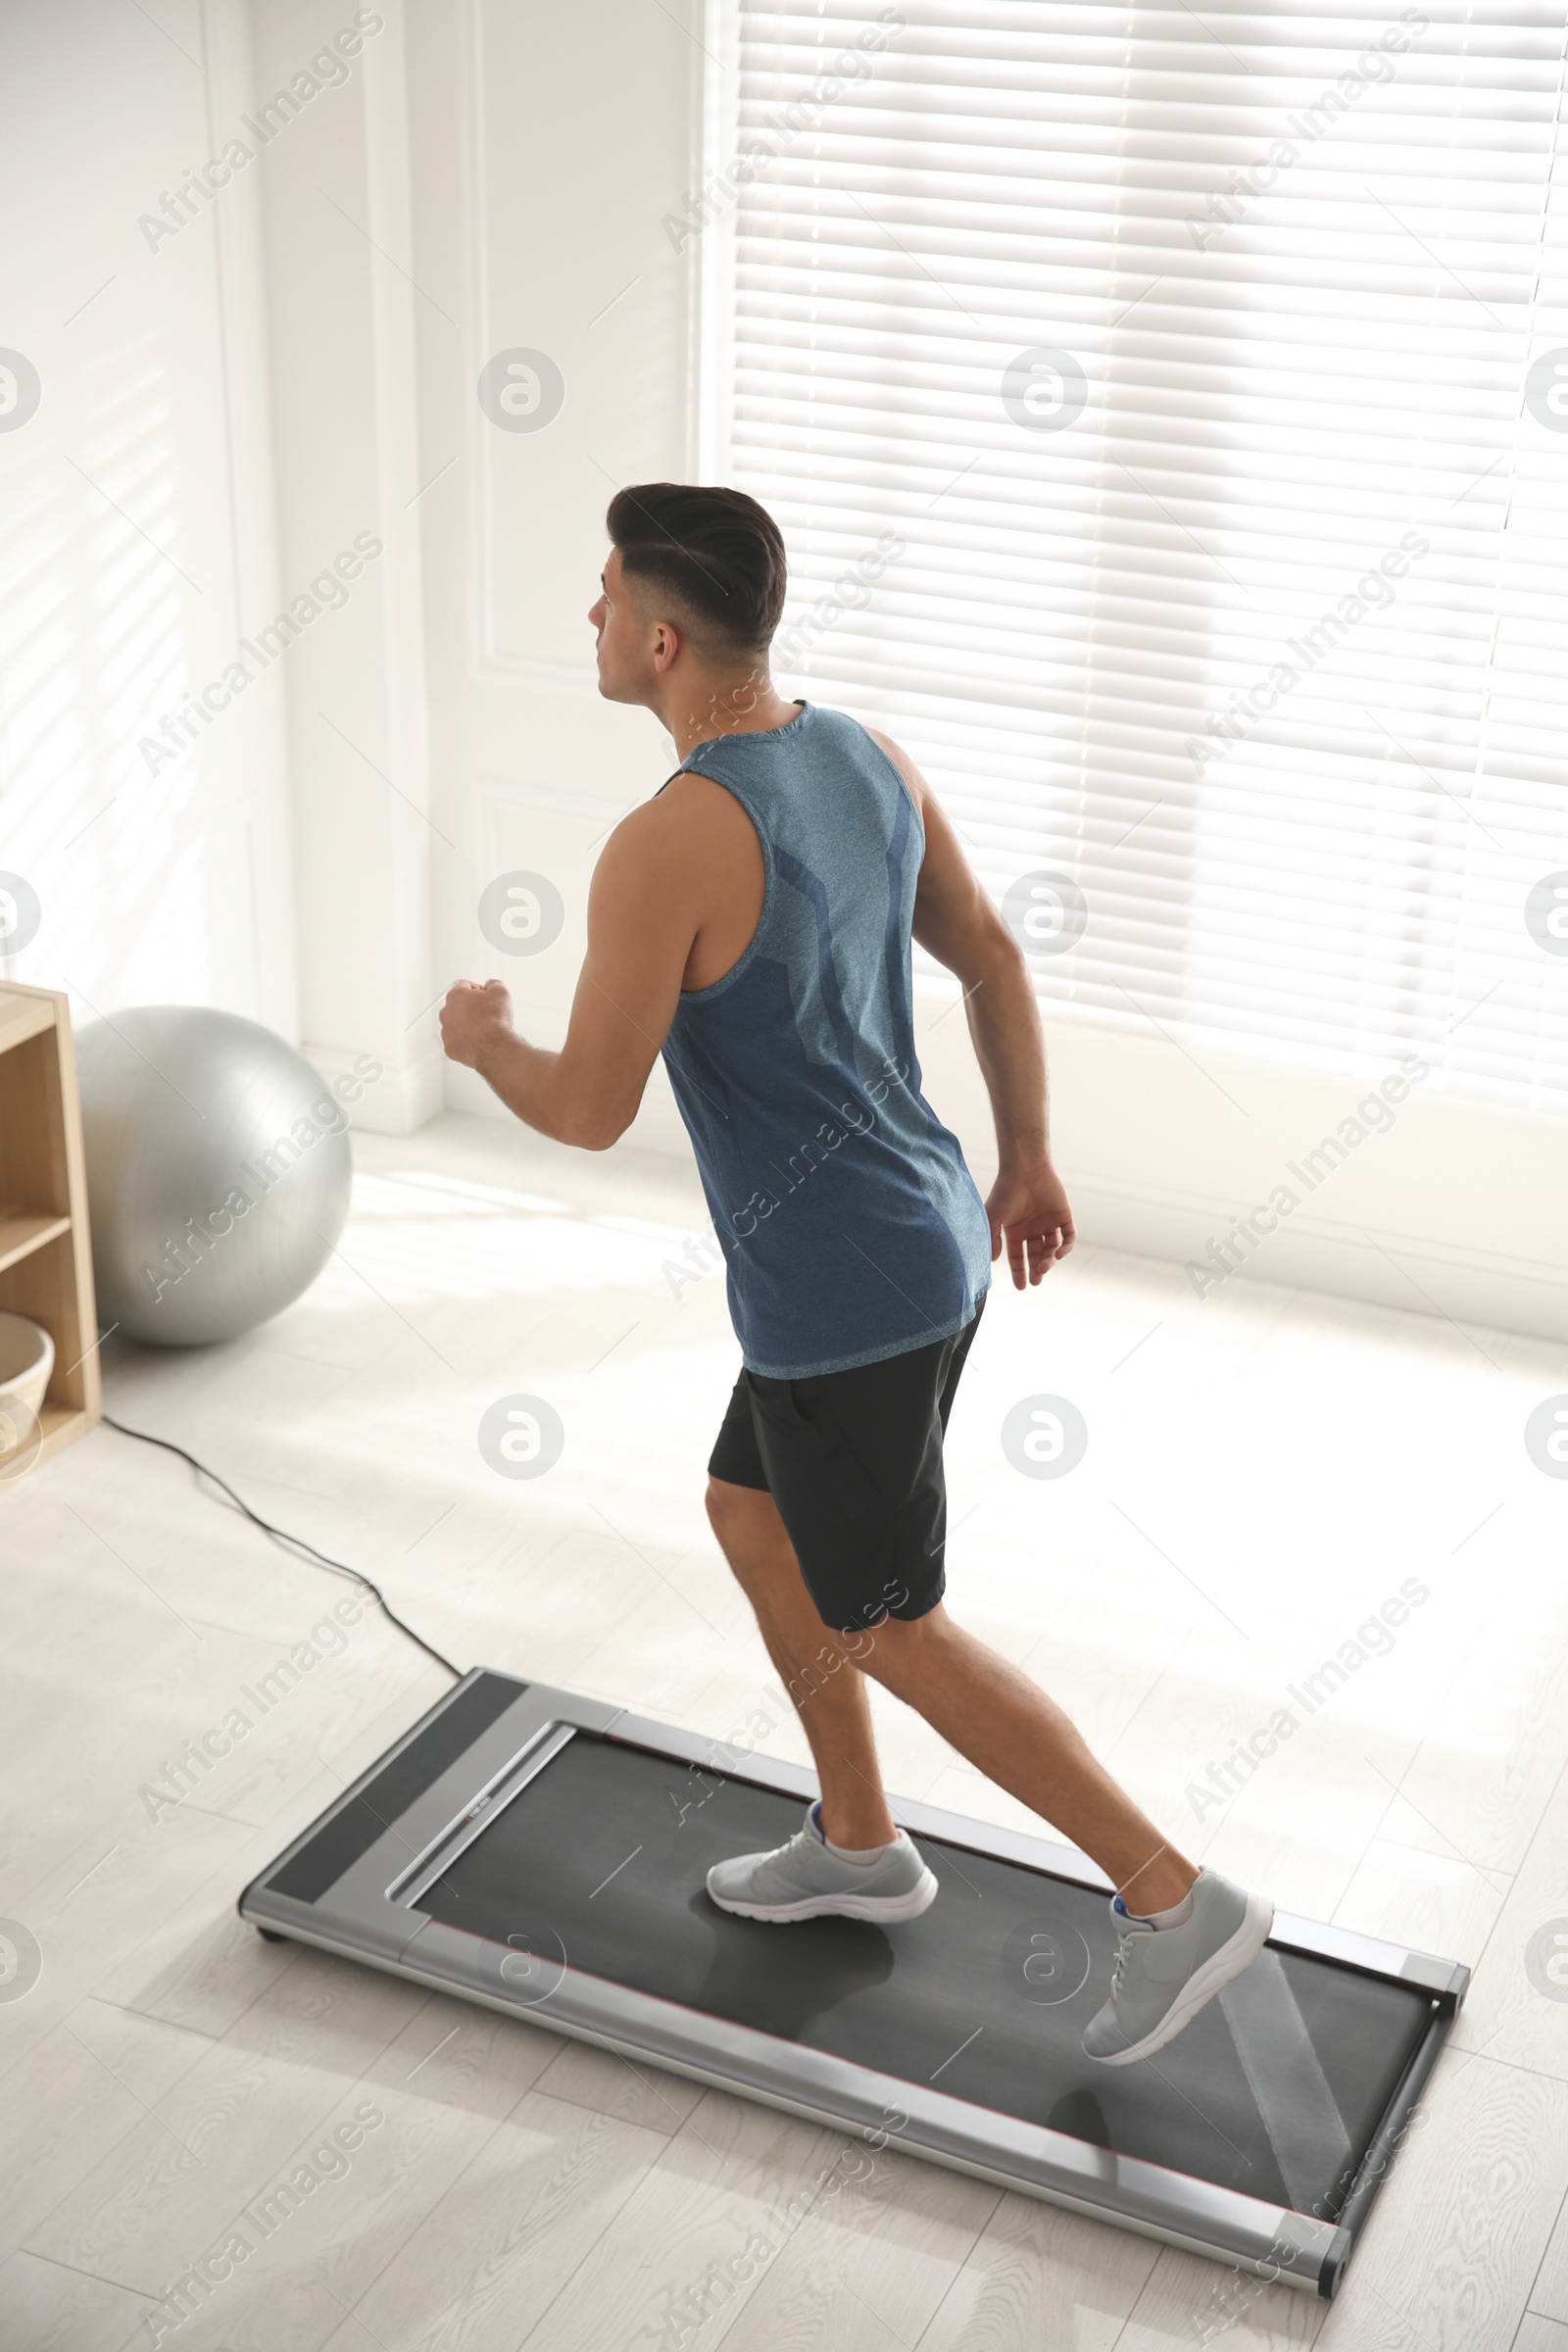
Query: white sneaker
[803,1881]
[1163,1975]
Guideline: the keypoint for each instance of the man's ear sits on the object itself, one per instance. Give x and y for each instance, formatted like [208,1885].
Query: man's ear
[666,644]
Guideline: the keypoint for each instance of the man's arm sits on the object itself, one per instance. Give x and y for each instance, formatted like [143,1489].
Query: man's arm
[647,903]
[956,921]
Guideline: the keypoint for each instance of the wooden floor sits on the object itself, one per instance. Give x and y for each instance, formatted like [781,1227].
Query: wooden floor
[1265,1469]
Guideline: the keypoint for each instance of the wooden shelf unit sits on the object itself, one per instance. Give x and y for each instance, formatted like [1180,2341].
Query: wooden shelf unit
[45,1249]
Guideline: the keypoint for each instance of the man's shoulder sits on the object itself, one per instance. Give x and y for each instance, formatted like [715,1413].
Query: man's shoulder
[690,802]
[692,829]
[908,774]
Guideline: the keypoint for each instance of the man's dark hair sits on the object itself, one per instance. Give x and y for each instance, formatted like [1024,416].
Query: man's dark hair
[716,555]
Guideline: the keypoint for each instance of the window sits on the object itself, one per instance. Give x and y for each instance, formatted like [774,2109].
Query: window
[1167,412]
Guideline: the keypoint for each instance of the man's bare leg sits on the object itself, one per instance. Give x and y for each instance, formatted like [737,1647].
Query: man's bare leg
[814,1666]
[983,1706]
[992,1713]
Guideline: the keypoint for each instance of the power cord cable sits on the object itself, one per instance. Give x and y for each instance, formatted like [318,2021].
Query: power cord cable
[318,1558]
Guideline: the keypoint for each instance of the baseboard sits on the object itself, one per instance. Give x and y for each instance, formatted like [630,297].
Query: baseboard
[1165,1156]
[382,1100]
[1407,1270]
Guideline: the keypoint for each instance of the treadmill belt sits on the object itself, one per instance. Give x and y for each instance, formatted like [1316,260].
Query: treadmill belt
[1274,2089]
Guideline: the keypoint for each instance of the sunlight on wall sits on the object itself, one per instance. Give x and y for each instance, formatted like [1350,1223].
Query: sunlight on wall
[141,877]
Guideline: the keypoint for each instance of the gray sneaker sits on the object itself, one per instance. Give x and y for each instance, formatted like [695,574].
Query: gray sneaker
[1163,1976]
[802,1880]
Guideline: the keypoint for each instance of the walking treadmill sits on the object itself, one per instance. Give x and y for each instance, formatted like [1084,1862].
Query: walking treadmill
[546,1854]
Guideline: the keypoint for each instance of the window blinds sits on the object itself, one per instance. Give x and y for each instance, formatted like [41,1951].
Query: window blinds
[1167,412]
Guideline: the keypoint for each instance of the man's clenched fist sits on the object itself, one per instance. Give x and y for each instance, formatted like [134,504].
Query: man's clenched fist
[475,1017]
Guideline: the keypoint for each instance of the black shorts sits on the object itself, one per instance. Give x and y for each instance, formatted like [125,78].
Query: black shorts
[854,1461]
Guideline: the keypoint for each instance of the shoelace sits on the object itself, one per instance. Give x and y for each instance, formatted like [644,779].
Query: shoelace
[802,1837]
[1124,1946]
[805,1836]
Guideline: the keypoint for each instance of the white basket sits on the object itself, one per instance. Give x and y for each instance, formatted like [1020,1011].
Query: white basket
[27,1360]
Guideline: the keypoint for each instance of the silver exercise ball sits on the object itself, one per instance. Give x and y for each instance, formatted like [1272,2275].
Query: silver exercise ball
[218,1172]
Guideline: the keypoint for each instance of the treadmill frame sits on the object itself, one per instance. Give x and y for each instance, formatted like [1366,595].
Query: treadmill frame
[370,1912]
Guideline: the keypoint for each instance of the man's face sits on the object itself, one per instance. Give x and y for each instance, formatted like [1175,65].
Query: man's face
[628,645]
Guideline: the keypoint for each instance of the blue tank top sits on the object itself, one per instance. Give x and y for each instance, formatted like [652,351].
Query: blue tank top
[851,1228]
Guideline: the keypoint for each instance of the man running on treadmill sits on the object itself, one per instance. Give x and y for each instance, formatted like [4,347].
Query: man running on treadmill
[752,922]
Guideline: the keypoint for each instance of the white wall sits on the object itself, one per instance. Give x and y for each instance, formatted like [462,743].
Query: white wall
[136,522]
[548,143]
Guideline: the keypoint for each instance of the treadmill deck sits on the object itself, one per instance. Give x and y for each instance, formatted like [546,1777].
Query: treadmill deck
[547,1854]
